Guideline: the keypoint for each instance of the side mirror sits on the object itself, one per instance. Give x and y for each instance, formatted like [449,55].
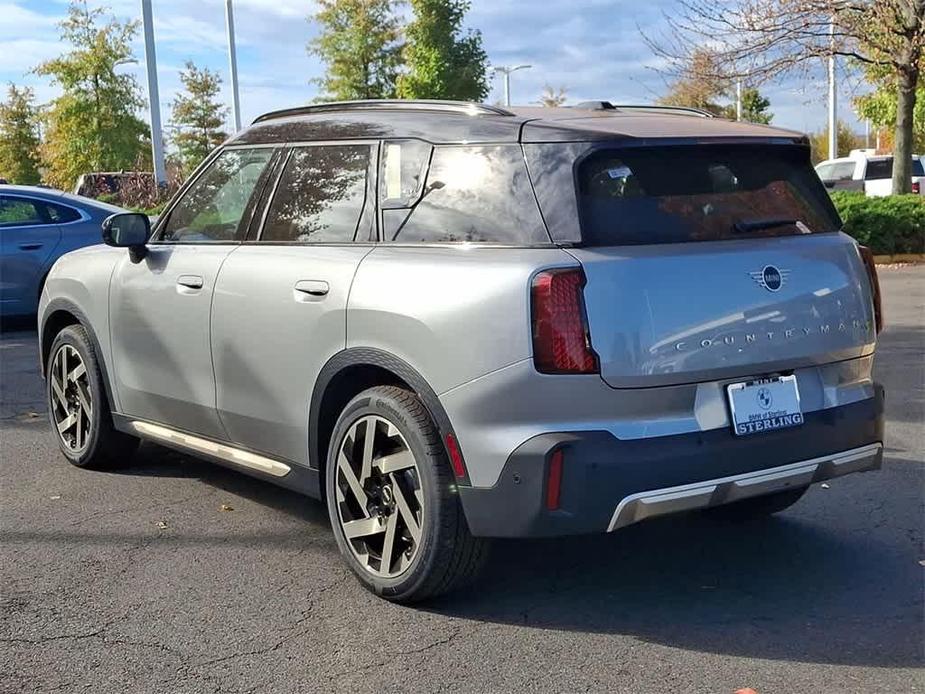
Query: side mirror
[128,230]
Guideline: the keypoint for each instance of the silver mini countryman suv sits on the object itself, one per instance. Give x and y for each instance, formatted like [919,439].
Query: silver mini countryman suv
[453,322]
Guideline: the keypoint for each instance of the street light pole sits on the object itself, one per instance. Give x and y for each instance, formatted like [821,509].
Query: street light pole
[833,95]
[739,99]
[233,65]
[157,137]
[506,72]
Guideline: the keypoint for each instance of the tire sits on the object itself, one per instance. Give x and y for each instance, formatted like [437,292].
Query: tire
[77,396]
[758,507]
[406,475]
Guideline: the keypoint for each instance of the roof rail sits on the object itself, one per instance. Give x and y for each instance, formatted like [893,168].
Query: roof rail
[468,108]
[679,110]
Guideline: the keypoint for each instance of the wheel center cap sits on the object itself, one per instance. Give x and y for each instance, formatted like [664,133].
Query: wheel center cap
[387,497]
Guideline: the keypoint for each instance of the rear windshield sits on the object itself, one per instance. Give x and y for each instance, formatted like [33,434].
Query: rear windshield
[645,195]
[883,168]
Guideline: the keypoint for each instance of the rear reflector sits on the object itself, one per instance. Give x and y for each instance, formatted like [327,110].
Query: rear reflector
[455,457]
[561,341]
[867,256]
[554,480]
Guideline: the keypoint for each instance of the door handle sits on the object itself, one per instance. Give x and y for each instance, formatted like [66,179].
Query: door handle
[190,281]
[313,287]
[310,290]
[30,246]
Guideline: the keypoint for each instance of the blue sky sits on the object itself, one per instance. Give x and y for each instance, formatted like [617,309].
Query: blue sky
[591,47]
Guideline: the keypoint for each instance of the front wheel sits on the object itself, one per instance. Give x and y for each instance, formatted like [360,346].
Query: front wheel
[392,502]
[77,404]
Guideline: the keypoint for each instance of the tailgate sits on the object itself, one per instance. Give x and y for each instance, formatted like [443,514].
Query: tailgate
[688,312]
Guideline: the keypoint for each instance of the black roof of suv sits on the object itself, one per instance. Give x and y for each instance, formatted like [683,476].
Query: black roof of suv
[465,122]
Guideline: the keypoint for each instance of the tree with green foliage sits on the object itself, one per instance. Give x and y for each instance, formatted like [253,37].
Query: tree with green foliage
[360,46]
[444,61]
[19,140]
[880,106]
[93,125]
[755,107]
[197,116]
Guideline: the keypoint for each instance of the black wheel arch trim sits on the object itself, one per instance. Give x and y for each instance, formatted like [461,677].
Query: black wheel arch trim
[369,356]
[68,306]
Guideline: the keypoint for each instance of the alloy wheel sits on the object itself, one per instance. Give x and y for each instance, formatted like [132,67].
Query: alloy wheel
[380,502]
[71,402]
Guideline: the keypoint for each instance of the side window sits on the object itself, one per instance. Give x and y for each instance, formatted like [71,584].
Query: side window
[20,212]
[211,210]
[824,171]
[60,214]
[320,196]
[842,171]
[477,194]
[878,169]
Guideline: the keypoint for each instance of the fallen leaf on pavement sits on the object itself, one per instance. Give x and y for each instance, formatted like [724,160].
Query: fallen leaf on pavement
[225,507]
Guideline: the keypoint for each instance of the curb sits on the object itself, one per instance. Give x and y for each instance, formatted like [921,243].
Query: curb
[899,258]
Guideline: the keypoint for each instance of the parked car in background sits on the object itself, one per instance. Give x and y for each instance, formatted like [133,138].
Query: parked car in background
[37,226]
[872,174]
[455,322]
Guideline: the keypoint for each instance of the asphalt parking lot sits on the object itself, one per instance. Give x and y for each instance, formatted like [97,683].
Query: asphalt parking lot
[176,576]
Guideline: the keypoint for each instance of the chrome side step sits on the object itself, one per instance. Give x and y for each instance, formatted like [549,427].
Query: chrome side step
[724,490]
[224,452]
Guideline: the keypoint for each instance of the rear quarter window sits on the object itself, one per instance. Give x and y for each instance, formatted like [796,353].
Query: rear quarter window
[878,169]
[471,194]
[677,194]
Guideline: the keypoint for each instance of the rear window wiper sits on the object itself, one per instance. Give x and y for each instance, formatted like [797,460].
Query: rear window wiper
[760,224]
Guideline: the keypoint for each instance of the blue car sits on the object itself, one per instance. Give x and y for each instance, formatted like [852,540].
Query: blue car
[37,226]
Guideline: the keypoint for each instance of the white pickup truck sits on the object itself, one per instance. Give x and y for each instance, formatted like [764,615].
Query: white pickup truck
[871,174]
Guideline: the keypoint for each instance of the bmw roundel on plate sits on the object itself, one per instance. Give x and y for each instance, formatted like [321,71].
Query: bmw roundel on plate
[764,405]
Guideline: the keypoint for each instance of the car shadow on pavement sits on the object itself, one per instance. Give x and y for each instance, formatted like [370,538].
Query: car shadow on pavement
[790,587]
[802,586]
[152,460]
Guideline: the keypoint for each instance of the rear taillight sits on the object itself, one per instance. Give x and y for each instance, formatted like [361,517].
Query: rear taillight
[561,342]
[868,257]
[916,187]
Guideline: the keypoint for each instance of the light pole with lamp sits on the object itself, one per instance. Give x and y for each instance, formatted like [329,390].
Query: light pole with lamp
[506,71]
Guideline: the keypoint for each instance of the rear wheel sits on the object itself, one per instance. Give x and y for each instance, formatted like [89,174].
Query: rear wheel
[391,499]
[758,507]
[77,404]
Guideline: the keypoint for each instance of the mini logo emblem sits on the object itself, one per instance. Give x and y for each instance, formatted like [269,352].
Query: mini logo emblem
[771,278]
[764,398]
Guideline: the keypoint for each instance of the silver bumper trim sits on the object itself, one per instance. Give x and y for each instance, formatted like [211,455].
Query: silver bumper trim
[724,490]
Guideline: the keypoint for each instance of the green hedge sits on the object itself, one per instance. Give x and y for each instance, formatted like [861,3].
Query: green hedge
[889,225]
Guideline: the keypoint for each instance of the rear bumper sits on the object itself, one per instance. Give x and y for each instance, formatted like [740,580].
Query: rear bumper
[608,483]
